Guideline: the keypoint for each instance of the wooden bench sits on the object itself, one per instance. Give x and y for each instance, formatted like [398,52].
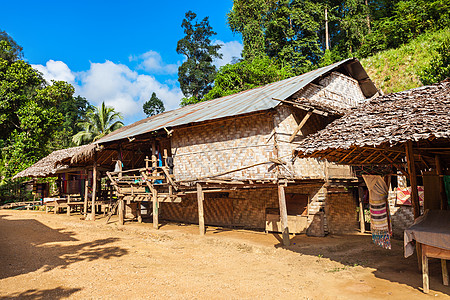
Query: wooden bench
[54,203]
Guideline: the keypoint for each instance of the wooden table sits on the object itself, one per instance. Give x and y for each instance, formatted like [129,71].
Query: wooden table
[434,252]
[55,203]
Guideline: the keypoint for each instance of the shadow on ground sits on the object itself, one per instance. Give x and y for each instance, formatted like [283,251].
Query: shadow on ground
[28,245]
[33,294]
[358,250]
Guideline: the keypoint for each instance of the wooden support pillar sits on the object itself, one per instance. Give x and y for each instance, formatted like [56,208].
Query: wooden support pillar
[155,208]
[201,217]
[283,215]
[362,224]
[444,272]
[139,213]
[414,194]
[68,206]
[439,172]
[94,187]
[121,211]
[426,284]
[412,179]
[86,187]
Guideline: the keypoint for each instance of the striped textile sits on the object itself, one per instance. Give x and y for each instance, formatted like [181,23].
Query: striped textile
[404,195]
[379,212]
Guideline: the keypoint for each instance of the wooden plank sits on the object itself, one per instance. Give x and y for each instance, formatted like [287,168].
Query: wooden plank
[435,252]
[283,215]
[201,217]
[362,224]
[300,126]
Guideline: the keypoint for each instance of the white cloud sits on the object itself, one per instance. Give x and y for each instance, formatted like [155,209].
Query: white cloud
[229,50]
[56,70]
[115,84]
[151,61]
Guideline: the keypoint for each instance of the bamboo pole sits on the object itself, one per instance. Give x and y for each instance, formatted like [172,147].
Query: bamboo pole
[201,217]
[283,215]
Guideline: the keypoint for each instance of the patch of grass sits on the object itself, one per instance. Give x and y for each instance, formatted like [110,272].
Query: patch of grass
[397,70]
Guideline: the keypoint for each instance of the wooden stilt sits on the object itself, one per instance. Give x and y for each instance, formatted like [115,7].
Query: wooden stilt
[139,213]
[68,206]
[94,187]
[283,215]
[362,224]
[439,172]
[201,217]
[121,211]
[414,193]
[155,208]
[86,187]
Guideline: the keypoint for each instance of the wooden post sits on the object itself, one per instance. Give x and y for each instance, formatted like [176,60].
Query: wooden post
[86,187]
[444,271]
[283,215]
[94,187]
[155,208]
[412,179]
[426,286]
[68,206]
[139,213]
[361,210]
[327,43]
[439,172]
[121,211]
[201,217]
[119,159]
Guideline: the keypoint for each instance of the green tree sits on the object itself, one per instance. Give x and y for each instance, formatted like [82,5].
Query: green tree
[247,74]
[14,51]
[153,106]
[248,18]
[197,73]
[439,67]
[99,122]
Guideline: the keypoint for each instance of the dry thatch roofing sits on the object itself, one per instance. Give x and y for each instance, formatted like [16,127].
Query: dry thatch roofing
[49,165]
[421,115]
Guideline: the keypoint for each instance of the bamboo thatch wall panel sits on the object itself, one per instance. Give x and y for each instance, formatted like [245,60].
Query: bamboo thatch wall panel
[335,90]
[285,125]
[219,147]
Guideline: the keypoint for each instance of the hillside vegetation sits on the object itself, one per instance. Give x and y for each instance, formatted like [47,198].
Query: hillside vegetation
[398,69]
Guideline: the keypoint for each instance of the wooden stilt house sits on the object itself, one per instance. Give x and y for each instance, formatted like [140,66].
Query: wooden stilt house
[229,161]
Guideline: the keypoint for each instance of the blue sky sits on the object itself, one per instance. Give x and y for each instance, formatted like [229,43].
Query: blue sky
[113,51]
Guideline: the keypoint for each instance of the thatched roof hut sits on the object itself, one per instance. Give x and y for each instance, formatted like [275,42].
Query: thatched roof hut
[375,133]
[49,165]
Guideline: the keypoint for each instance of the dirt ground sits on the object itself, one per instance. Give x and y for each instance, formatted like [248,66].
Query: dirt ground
[47,256]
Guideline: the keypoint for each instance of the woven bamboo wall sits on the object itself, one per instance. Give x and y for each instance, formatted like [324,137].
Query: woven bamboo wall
[222,146]
[341,213]
[336,90]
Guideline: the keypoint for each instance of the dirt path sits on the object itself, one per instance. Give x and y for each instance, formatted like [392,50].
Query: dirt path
[46,256]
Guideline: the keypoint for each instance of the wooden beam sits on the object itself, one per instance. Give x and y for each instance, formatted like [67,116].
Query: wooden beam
[300,126]
[283,215]
[201,217]
[121,211]
[412,179]
[362,224]
[348,154]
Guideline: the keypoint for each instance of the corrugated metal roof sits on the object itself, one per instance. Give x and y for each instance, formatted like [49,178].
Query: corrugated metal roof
[254,100]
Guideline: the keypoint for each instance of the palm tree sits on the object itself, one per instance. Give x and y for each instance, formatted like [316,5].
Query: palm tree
[99,122]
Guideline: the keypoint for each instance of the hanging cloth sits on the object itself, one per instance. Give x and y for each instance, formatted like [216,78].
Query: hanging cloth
[447,188]
[379,210]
